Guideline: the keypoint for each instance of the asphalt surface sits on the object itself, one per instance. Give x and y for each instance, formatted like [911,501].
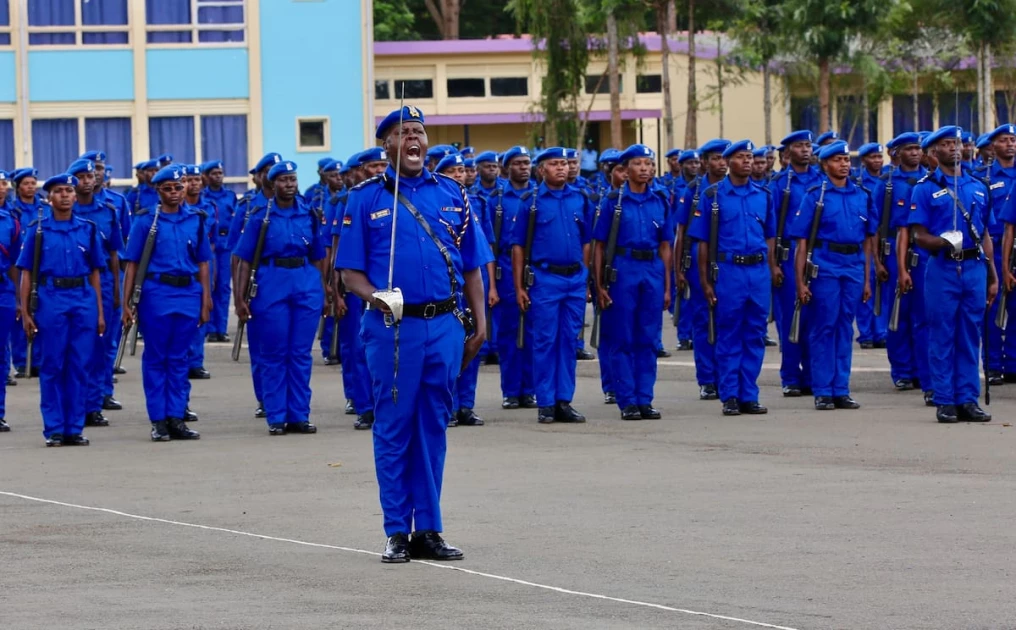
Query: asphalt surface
[878,518]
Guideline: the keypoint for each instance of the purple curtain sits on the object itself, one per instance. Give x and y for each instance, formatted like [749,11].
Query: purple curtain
[54,145]
[112,135]
[169,12]
[104,13]
[221,15]
[7,145]
[173,135]
[5,20]
[903,113]
[851,112]
[50,13]
[225,138]
[804,112]
[959,109]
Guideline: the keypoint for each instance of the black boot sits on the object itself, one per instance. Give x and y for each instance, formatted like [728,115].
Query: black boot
[468,418]
[527,401]
[111,404]
[4,427]
[753,408]
[609,398]
[648,412]
[731,407]
[545,415]
[564,412]
[970,412]
[179,431]
[510,402]
[845,402]
[946,414]
[96,419]
[631,412]
[708,392]
[365,421]
[189,416]
[824,403]
[396,549]
[160,432]
[430,546]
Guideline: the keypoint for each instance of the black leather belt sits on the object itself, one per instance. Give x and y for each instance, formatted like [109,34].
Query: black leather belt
[561,270]
[175,281]
[971,253]
[839,248]
[741,259]
[223,231]
[294,262]
[637,254]
[425,311]
[66,282]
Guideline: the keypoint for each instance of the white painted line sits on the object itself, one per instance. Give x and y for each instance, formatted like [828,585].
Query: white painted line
[768,366]
[556,589]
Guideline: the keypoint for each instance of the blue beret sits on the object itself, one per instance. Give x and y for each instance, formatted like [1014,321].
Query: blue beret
[267,160]
[448,161]
[690,154]
[211,166]
[191,169]
[325,160]
[408,113]
[572,154]
[108,174]
[438,151]
[514,152]
[465,150]
[949,131]
[815,148]
[146,165]
[22,173]
[902,140]
[740,145]
[760,152]
[351,163]
[374,154]
[170,173]
[966,137]
[63,179]
[1007,128]
[982,141]
[829,135]
[610,156]
[486,156]
[802,135]
[836,148]
[716,145]
[868,149]
[95,156]
[3,176]
[81,166]
[280,169]
[559,153]
[674,153]
[329,166]
[469,163]
[164,159]
[636,151]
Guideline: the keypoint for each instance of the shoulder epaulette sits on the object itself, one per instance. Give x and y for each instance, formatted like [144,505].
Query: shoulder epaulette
[527,194]
[111,206]
[141,212]
[34,221]
[443,176]
[612,194]
[815,187]
[373,180]
[711,191]
[885,176]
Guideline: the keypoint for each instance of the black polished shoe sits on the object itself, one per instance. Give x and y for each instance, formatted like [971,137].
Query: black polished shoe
[76,440]
[224,338]
[545,415]
[453,421]
[510,402]
[904,385]
[929,399]
[111,404]
[708,392]
[212,338]
[54,440]
[276,429]
[824,403]
[584,355]
[995,378]
[609,398]
[364,421]
[649,412]
[946,414]
[332,361]
[685,345]
[753,408]
[468,418]
[178,430]
[970,412]
[866,345]
[115,380]
[396,549]
[663,354]
[528,401]
[260,411]
[160,432]
[19,372]
[119,370]
[631,412]
[189,416]
[879,345]
[769,342]
[564,412]
[491,359]
[731,407]
[845,402]
[791,391]
[1009,377]
[96,419]
[350,409]
[430,546]
[4,427]
[300,427]
[11,381]
[198,374]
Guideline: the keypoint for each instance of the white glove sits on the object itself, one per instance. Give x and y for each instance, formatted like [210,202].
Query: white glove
[955,238]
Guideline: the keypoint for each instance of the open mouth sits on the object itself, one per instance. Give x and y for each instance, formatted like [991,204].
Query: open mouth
[413,152]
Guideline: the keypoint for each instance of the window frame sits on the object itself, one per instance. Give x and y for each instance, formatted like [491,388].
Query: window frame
[198,156]
[327,147]
[195,27]
[490,86]
[78,29]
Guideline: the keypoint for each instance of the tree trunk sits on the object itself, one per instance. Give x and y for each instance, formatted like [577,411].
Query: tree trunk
[767,102]
[917,100]
[691,118]
[446,17]
[668,107]
[614,78]
[825,122]
[989,92]
[719,81]
[865,110]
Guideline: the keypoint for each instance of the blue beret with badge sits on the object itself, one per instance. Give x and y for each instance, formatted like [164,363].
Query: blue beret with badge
[408,113]
[610,156]
[469,163]
[467,150]
[829,135]
[448,161]
[673,153]
[949,131]
[966,137]
[868,148]
[374,154]
[740,145]
[572,154]
[330,166]
[831,150]
[690,154]
[802,135]
[351,163]
[164,159]
[267,160]
[514,152]
[211,166]
[170,173]
[905,138]
[191,170]
[552,153]
[3,176]
[1007,128]
[81,166]
[95,156]
[760,152]
[281,169]
[321,163]
[486,156]
[22,173]
[636,151]
[982,141]
[716,145]
[63,179]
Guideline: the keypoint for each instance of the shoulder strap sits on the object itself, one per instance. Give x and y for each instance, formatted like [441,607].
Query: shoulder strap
[430,232]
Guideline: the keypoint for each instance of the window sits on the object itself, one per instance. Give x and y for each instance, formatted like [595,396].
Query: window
[5,25]
[73,22]
[959,109]
[415,89]
[55,143]
[112,135]
[175,22]
[649,84]
[903,113]
[173,135]
[804,112]
[225,138]
[312,134]
[466,88]
[850,112]
[381,92]
[594,79]
[509,86]
[7,144]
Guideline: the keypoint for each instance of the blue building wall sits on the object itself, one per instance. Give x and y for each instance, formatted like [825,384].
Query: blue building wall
[8,78]
[53,75]
[311,66]
[197,73]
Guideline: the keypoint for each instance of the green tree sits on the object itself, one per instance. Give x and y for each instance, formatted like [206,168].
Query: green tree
[394,21]
[760,40]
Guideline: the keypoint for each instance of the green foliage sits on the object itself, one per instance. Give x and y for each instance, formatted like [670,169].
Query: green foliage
[394,21]
[478,19]
[825,27]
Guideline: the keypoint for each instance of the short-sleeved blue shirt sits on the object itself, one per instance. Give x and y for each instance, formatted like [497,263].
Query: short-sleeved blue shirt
[70,248]
[181,241]
[846,215]
[562,225]
[643,218]
[932,205]
[293,232]
[105,218]
[746,217]
[903,185]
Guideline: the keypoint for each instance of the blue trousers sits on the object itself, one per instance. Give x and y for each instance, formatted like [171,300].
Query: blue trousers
[100,366]
[325,342]
[1000,346]
[7,322]
[684,330]
[355,376]
[256,368]
[218,324]
[795,367]
[554,319]
[831,330]
[870,327]
[114,330]
[409,432]
[907,347]
[19,348]
[635,325]
[604,354]
[954,304]
[465,384]
[516,365]
[705,353]
[742,308]
[164,361]
[67,320]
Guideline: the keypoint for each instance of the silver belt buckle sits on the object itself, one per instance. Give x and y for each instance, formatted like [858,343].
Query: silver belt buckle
[430,311]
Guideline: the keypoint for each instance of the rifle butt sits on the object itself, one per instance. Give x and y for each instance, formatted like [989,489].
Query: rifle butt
[712,325]
[321,328]
[594,334]
[878,299]
[28,358]
[333,347]
[238,341]
[894,314]
[1002,316]
[795,323]
[134,339]
[122,346]
[520,339]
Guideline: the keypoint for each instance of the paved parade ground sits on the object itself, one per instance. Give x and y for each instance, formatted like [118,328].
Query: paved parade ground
[878,518]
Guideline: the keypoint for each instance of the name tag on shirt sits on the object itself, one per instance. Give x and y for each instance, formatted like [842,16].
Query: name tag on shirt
[998,185]
[939,193]
[380,214]
[451,209]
